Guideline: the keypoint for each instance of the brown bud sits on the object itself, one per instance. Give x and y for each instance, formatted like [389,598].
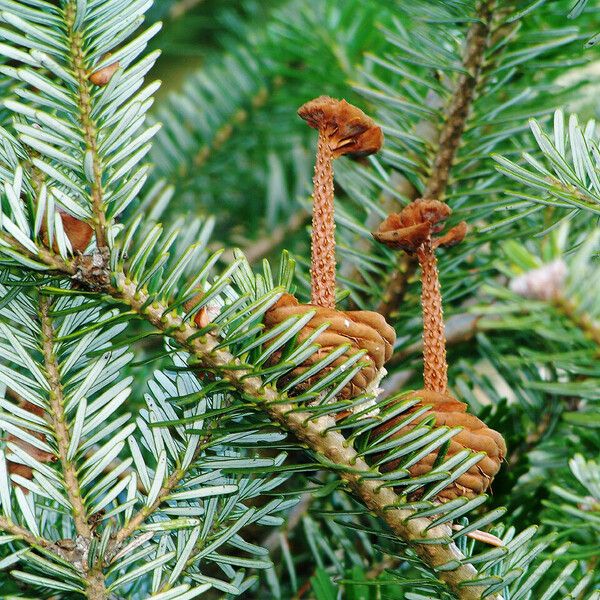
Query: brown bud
[415,223]
[347,129]
[201,318]
[104,75]
[79,233]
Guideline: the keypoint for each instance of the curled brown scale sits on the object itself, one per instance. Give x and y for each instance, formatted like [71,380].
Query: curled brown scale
[409,229]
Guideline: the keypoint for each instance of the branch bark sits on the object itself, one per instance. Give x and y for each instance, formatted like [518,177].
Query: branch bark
[94,578]
[450,137]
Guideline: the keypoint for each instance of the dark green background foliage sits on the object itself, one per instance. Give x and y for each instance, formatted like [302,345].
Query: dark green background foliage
[231,168]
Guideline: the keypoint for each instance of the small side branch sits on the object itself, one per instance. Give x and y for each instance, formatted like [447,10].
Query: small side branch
[59,422]
[460,104]
[26,536]
[93,576]
[76,43]
[448,143]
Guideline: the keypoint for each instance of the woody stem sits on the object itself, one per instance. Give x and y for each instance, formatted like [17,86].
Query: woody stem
[435,369]
[322,266]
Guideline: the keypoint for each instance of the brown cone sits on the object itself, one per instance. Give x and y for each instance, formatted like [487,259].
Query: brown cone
[475,435]
[364,330]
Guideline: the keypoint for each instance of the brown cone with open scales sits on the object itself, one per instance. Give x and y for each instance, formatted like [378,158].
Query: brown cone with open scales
[362,329]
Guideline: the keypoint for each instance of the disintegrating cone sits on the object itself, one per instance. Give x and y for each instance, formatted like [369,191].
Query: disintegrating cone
[416,223]
[475,436]
[364,330]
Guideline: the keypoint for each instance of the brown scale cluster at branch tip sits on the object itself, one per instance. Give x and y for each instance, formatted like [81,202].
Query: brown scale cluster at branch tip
[415,231]
[416,223]
[345,127]
[362,330]
[475,436]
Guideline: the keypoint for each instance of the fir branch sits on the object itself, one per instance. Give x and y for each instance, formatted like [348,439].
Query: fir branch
[94,577]
[316,434]
[139,518]
[59,424]
[88,125]
[460,104]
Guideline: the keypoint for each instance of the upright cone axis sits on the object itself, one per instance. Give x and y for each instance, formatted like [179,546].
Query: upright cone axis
[322,260]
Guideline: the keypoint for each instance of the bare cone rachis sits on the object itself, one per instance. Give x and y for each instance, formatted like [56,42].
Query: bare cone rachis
[343,129]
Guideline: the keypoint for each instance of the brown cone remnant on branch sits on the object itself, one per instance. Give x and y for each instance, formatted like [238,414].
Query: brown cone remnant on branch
[475,436]
[79,233]
[343,129]
[362,329]
[414,230]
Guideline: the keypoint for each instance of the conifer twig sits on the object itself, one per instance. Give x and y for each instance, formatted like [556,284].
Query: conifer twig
[13,529]
[316,433]
[449,140]
[94,577]
[87,122]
